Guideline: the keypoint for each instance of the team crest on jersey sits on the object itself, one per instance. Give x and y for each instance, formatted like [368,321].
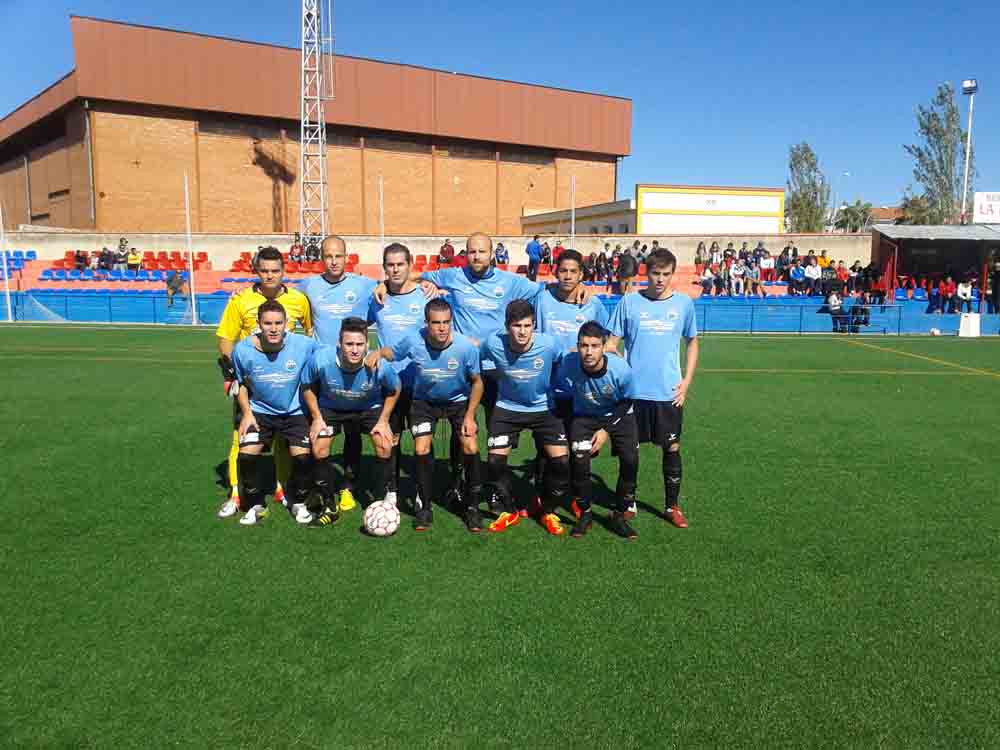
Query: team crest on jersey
[366,386]
[580,318]
[414,308]
[498,292]
[673,315]
[452,364]
[538,363]
[643,316]
[351,297]
[290,365]
[607,390]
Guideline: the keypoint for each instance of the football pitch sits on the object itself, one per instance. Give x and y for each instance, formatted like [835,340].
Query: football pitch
[839,585]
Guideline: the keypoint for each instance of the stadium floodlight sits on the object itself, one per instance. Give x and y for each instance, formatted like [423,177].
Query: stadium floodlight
[969,87]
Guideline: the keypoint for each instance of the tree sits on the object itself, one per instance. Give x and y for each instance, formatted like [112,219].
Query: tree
[939,161]
[808,194]
[853,218]
[916,209]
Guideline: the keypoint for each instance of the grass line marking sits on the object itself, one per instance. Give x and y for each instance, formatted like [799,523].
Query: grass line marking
[792,371]
[141,360]
[925,358]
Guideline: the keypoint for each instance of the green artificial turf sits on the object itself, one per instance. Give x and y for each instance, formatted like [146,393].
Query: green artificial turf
[839,585]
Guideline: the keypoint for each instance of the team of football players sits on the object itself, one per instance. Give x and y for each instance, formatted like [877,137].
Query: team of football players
[538,358]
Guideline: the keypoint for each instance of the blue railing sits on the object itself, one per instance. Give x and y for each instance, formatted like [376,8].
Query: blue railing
[790,315]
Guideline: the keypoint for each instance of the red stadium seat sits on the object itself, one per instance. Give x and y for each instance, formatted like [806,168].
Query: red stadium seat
[317,266]
[202,256]
[544,269]
[148,255]
[163,264]
[162,255]
[291,268]
[353,258]
[246,256]
[432,265]
[149,264]
[642,269]
[521,270]
[420,259]
[503,266]
[175,255]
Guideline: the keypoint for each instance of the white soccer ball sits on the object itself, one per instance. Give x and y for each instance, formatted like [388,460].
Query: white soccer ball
[381,518]
[935,332]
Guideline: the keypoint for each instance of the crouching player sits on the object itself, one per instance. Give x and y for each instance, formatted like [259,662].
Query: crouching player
[524,364]
[340,393]
[446,385]
[600,386]
[270,367]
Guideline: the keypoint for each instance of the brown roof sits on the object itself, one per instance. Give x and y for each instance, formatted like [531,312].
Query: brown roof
[886,213]
[140,64]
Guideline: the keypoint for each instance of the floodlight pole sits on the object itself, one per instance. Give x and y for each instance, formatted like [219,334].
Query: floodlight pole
[968,153]
[191,287]
[6,276]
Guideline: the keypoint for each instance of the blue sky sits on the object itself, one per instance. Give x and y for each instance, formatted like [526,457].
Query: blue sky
[720,90]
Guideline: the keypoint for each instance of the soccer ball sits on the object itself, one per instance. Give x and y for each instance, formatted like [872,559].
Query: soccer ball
[381,519]
[935,332]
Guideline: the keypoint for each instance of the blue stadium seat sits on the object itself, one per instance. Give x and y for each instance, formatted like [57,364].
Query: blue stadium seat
[128,275]
[46,275]
[114,275]
[900,295]
[59,275]
[31,255]
[18,255]
[142,275]
[74,275]
[156,276]
[87,275]
[920,295]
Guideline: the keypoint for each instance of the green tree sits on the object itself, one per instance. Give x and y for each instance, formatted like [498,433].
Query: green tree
[808,194]
[854,217]
[939,160]
[916,209]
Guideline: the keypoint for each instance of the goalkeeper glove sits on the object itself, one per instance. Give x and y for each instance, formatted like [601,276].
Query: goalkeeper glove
[229,383]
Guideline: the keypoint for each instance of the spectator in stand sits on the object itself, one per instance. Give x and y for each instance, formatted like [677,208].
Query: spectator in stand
[534,251]
[946,295]
[828,279]
[737,276]
[641,255]
[635,249]
[446,253]
[546,254]
[500,255]
[723,278]
[796,278]
[993,308]
[602,271]
[121,258]
[590,267]
[760,251]
[835,306]
[627,269]
[822,260]
[754,282]
[615,254]
[814,277]
[107,259]
[766,264]
[707,280]
[701,258]
[176,284]
[79,260]
[94,261]
[854,277]
[729,252]
[313,252]
[134,259]
[843,277]
[963,296]
[296,253]
[557,251]
[715,255]
[782,263]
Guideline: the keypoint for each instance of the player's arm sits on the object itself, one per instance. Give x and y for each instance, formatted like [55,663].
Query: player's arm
[690,366]
[247,421]
[469,426]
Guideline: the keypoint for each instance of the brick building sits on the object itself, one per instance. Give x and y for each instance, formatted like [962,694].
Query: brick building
[107,146]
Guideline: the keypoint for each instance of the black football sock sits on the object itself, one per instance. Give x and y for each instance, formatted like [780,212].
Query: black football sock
[455,460]
[498,474]
[381,477]
[425,478]
[556,481]
[325,478]
[394,468]
[352,456]
[580,471]
[473,479]
[628,475]
[671,477]
[249,469]
[300,483]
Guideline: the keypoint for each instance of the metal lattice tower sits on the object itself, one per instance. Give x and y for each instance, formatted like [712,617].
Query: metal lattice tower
[312,151]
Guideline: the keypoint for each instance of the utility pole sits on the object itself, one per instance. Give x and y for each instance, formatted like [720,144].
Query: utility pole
[312,144]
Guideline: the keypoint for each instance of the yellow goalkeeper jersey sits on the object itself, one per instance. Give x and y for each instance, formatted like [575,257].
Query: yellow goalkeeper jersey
[239,319]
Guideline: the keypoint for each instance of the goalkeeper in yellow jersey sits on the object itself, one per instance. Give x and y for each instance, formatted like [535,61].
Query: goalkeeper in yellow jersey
[239,320]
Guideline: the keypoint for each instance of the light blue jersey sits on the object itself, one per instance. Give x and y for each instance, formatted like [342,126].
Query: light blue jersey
[274,379]
[440,374]
[479,303]
[652,330]
[594,394]
[331,303]
[342,390]
[562,320]
[401,315]
[523,378]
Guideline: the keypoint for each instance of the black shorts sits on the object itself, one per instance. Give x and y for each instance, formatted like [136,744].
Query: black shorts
[505,426]
[400,417]
[623,434]
[293,428]
[352,422]
[424,416]
[659,422]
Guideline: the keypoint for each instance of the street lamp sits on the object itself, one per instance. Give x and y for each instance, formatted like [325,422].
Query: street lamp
[969,88]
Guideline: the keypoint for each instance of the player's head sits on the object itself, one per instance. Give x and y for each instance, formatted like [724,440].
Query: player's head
[590,341]
[270,267]
[479,252]
[271,317]
[333,252]
[520,323]
[396,261]
[569,271]
[660,267]
[437,315]
[353,341]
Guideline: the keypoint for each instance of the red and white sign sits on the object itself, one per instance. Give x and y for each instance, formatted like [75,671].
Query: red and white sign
[986,208]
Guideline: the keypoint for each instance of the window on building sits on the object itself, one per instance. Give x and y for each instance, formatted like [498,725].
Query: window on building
[399,143]
[522,155]
[623,228]
[465,150]
[595,230]
[608,229]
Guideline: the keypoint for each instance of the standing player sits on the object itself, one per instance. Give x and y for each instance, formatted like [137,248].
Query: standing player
[341,393]
[600,386]
[652,324]
[270,367]
[524,364]
[446,385]
[239,320]
[335,295]
[400,313]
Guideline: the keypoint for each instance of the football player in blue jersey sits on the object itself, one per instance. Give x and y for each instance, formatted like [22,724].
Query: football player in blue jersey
[524,363]
[400,313]
[446,385]
[270,366]
[652,324]
[339,392]
[600,389]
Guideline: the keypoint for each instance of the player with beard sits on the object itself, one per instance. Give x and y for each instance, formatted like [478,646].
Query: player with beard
[600,388]
[652,324]
[339,392]
[269,367]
